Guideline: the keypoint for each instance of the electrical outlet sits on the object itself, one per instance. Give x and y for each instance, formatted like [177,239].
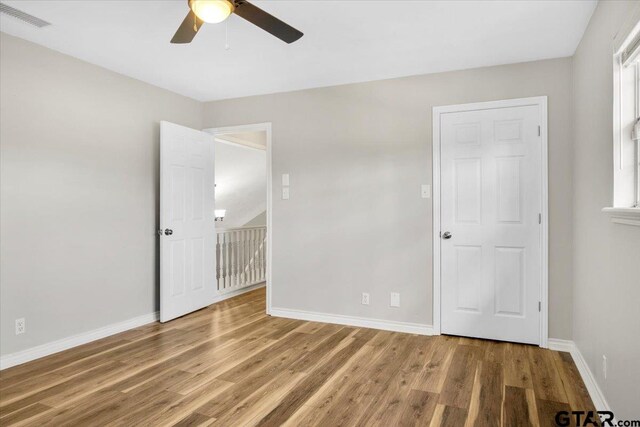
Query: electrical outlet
[285,193]
[21,327]
[365,298]
[395,299]
[604,366]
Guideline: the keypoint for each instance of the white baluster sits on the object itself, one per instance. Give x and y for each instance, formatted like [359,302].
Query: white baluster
[245,264]
[241,257]
[252,259]
[227,259]
[263,253]
[232,260]
[238,269]
[218,262]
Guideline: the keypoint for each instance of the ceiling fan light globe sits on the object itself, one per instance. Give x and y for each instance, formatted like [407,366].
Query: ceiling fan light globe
[212,11]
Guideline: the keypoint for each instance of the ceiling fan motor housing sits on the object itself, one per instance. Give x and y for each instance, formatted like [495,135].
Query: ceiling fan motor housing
[212,11]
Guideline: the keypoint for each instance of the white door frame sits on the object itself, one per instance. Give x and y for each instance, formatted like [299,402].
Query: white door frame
[541,102]
[256,127]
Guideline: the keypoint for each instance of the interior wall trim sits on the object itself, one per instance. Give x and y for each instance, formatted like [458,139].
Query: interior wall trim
[541,103]
[33,353]
[359,322]
[595,392]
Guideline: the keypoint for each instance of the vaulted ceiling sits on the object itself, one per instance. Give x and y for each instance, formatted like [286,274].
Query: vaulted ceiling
[241,182]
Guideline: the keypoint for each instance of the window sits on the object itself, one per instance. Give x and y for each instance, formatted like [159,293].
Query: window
[635,134]
[627,122]
[633,93]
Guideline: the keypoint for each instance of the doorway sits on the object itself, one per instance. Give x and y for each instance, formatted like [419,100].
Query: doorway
[191,250]
[248,230]
[490,220]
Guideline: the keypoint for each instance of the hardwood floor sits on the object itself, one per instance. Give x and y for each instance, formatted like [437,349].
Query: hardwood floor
[231,365]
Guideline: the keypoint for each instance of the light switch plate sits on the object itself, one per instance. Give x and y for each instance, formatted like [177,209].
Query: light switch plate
[285,193]
[395,299]
[426,191]
[285,179]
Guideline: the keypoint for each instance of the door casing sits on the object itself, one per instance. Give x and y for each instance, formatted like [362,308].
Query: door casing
[541,102]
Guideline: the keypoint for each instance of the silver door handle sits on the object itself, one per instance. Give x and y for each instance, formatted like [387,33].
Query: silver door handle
[168,232]
[446,235]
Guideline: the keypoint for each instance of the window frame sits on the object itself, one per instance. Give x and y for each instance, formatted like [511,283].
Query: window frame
[625,112]
[626,186]
[636,70]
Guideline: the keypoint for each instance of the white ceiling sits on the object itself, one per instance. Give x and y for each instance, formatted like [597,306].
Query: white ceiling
[344,42]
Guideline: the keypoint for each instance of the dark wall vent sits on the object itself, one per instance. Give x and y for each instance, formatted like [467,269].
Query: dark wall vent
[24,17]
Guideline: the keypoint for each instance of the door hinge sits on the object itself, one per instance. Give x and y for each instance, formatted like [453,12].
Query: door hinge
[539,218]
[539,131]
[539,305]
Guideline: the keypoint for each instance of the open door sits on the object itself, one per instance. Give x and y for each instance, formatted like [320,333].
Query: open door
[187,230]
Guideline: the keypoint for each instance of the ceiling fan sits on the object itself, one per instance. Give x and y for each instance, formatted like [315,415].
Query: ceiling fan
[215,11]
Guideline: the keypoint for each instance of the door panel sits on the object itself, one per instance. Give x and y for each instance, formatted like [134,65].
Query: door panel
[468,190]
[508,191]
[468,279]
[187,255]
[178,261]
[509,281]
[491,196]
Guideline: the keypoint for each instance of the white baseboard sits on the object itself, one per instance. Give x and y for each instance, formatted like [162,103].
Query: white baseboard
[236,292]
[360,322]
[589,379]
[43,350]
[561,345]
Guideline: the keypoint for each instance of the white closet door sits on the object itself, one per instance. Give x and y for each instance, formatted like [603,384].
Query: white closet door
[490,205]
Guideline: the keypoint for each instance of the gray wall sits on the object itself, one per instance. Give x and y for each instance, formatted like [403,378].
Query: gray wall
[606,256]
[79,152]
[79,193]
[357,155]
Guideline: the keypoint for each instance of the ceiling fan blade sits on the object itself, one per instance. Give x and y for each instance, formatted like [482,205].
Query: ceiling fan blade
[267,22]
[187,32]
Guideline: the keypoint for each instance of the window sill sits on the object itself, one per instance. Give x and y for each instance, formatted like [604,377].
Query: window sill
[625,216]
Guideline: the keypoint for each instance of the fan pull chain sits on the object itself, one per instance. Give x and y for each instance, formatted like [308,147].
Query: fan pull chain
[226,35]
[195,23]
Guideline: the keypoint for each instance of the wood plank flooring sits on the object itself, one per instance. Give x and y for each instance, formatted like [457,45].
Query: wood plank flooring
[231,365]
